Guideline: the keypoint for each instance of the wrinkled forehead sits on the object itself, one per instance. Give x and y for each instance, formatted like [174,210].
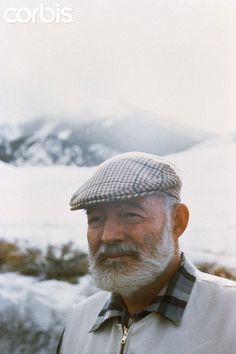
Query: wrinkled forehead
[145,203]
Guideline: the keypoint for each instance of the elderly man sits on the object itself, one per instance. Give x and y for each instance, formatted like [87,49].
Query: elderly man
[155,301]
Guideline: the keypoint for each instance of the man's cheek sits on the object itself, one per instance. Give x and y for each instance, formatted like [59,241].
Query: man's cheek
[94,246]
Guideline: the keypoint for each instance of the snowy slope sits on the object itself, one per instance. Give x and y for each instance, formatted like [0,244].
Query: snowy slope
[209,188]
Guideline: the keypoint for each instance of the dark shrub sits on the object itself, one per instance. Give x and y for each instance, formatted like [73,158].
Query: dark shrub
[63,262]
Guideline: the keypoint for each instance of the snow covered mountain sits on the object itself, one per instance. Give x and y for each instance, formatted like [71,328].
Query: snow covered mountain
[69,142]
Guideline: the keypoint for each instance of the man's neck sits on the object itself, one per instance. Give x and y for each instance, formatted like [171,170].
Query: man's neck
[144,297]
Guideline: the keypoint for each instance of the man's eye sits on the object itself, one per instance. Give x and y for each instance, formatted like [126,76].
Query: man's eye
[132,216]
[94,220]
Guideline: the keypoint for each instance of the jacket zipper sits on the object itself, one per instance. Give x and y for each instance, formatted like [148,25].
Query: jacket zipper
[124,338]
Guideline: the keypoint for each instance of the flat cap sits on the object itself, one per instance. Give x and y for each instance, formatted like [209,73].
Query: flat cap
[125,176]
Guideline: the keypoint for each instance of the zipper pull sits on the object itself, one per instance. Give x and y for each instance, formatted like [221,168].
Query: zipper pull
[125,335]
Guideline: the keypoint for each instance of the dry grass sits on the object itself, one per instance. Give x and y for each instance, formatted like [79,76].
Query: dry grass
[63,262]
[215,269]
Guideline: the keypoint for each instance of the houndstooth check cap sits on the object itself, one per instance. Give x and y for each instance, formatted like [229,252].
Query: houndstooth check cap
[126,176]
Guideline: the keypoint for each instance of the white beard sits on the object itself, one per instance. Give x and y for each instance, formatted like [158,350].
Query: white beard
[126,279]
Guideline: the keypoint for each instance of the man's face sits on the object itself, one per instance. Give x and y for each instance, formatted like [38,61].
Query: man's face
[130,243]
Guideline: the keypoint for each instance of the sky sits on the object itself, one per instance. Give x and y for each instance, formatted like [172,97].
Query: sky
[173,58]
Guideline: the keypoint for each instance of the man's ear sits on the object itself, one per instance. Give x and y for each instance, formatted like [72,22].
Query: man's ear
[180,217]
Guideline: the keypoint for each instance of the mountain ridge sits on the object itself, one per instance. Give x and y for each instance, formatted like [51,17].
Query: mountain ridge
[48,142]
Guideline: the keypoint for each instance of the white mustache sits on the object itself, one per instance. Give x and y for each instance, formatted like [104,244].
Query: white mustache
[118,249]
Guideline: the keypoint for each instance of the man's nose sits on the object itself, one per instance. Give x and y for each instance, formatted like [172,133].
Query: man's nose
[112,231]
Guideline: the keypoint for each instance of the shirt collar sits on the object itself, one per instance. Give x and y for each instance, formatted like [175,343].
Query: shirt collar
[171,304]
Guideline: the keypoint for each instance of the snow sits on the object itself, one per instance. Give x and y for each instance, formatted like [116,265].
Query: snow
[10,132]
[38,307]
[45,130]
[35,204]
[64,134]
[101,151]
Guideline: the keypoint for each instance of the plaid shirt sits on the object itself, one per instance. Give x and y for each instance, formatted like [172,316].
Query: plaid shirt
[170,303]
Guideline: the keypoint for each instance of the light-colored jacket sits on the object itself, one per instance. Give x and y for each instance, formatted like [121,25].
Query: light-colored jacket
[208,325]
